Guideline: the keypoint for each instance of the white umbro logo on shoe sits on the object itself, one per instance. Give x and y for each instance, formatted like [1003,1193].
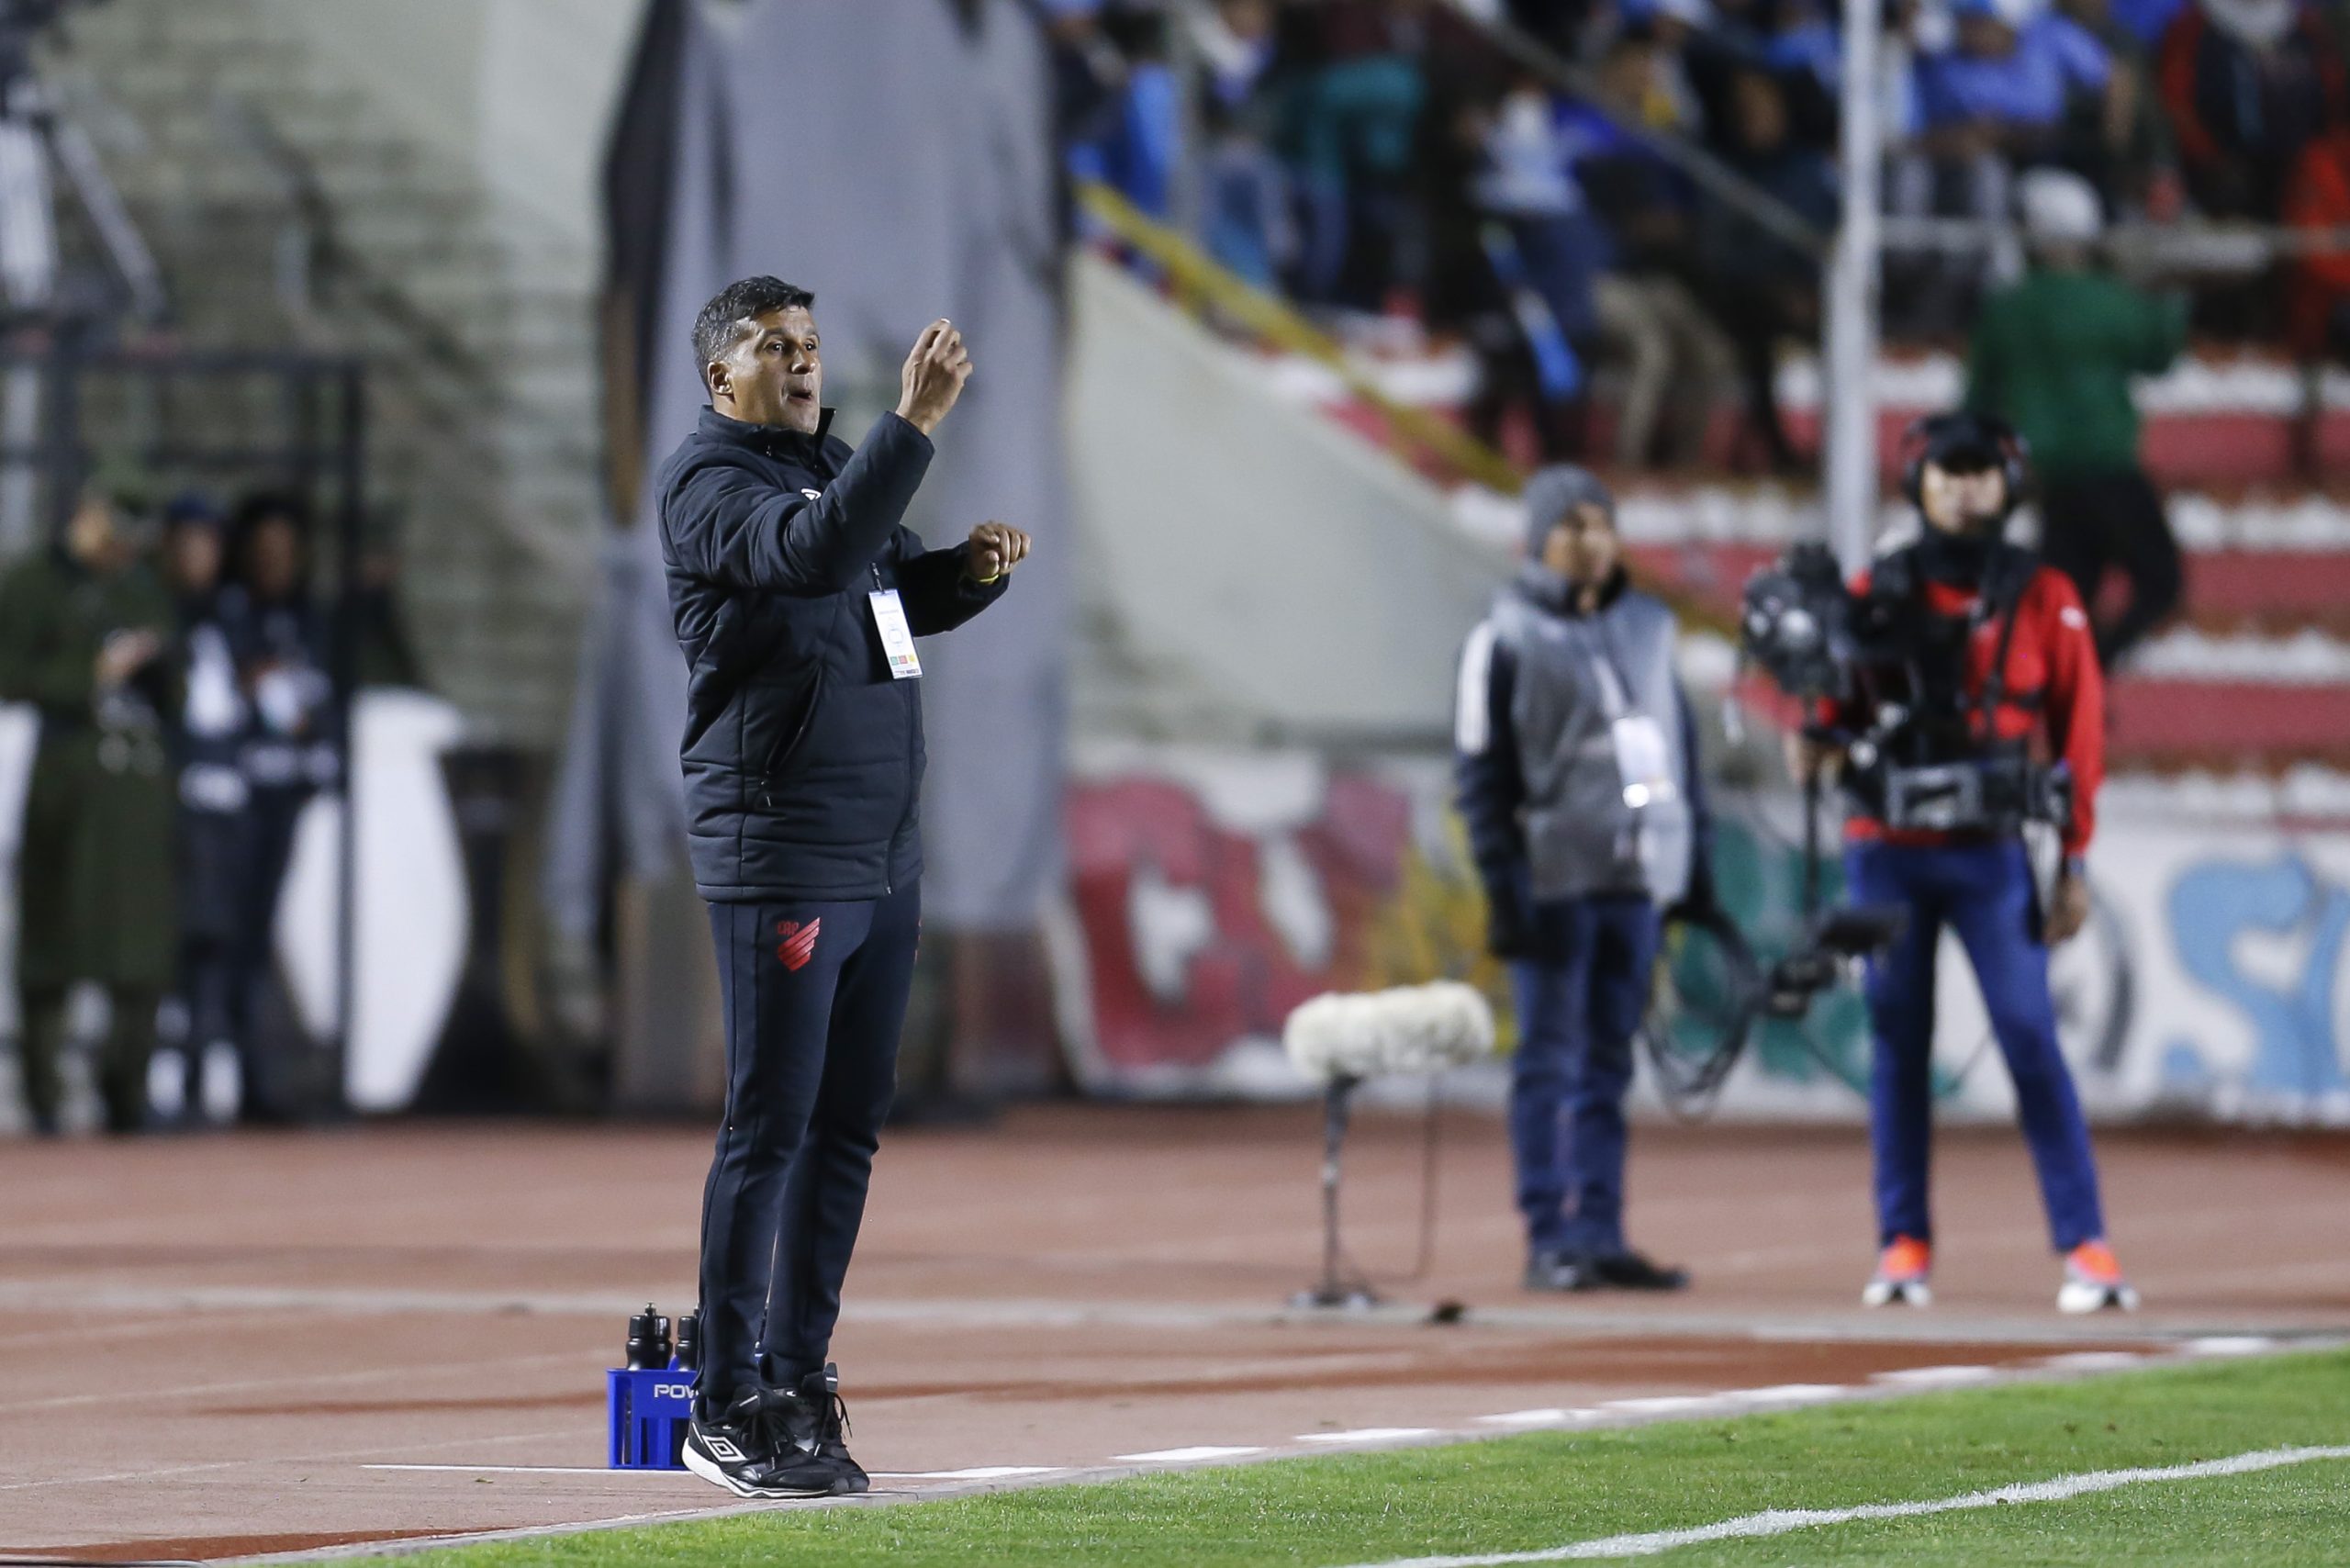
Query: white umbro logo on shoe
[721,1448]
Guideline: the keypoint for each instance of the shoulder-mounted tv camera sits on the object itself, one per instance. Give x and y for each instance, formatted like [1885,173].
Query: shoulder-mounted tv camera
[1805,629]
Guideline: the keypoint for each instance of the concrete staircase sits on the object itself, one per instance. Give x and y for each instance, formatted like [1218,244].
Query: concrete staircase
[287,208]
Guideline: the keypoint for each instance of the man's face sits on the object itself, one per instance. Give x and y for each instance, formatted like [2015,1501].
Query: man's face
[195,558]
[772,374]
[1581,547]
[93,534]
[1762,113]
[274,558]
[1962,500]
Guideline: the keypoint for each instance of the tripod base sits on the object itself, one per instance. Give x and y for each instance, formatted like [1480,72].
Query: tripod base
[1332,1296]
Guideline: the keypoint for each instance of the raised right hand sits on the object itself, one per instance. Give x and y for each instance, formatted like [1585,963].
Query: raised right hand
[123,655]
[933,377]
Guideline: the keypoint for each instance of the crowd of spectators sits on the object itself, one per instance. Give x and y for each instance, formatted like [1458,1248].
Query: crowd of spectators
[1387,157]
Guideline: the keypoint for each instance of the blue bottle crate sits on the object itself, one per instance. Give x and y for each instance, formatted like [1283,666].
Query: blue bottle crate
[648,1411]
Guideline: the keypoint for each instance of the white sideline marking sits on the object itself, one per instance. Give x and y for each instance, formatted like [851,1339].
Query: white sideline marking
[2230,1345]
[541,1470]
[1185,1456]
[1783,1521]
[1367,1435]
[1551,1418]
[1789,1393]
[2094,1360]
[1936,1377]
[1665,1403]
[983,1473]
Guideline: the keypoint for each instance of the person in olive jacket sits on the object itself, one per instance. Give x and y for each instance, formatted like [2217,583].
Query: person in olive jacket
[85,637]
[797,593]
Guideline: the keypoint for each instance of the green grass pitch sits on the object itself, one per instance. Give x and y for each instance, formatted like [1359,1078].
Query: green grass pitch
[1550,1490]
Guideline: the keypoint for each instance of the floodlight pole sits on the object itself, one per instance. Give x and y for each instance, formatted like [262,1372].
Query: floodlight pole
[1849,393]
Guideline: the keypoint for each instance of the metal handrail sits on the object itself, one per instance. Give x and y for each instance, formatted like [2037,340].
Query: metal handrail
[2175,244]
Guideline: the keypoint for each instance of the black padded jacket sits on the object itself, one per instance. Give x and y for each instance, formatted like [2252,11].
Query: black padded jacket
[803,758]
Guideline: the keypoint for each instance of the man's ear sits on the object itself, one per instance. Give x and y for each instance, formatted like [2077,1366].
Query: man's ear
[716,381]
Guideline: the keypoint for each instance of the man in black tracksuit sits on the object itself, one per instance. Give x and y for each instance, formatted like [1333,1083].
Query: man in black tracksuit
[797,593]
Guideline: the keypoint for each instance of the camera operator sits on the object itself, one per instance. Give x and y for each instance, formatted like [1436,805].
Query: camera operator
[1577,769]
[1983,644]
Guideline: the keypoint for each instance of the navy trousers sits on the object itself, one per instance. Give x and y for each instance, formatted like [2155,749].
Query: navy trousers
[1984,893]
[1579,1006]
[816,996]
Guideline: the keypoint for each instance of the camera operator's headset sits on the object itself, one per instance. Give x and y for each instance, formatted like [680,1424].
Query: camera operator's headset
[1936,435]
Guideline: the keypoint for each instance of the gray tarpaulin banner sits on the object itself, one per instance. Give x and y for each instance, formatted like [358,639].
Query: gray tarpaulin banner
[895,156]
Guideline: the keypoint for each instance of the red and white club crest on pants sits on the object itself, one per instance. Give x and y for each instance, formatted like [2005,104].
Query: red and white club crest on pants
[798,943]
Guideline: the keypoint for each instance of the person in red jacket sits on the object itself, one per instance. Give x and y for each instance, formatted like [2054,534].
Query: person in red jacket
[1996,684]
[2318,202]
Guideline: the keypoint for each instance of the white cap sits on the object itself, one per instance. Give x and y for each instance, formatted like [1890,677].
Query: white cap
[2059,207]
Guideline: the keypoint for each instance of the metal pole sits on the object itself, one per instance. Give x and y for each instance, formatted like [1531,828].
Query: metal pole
[1850,394]
[1334,1141]
[351,473]
[1187,194]
[64,413]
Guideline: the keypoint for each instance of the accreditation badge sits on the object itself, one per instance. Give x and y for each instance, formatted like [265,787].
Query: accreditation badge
[896,636]
[1643,760]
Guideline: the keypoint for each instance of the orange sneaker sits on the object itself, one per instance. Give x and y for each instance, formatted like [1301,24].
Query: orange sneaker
[2093,1282]
[1901,1271]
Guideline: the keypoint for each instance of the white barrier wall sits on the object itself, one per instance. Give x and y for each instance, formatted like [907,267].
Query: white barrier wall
[1296,574]
[1213,891]
[412,912]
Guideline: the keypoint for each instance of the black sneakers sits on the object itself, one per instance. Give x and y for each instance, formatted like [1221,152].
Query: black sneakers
[772,1443]
[1628,1271]
[1554,1268]
[820,1392]
[1549,1269]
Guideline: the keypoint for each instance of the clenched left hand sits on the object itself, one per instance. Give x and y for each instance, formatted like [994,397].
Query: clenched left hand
[996,548]
[2068,907]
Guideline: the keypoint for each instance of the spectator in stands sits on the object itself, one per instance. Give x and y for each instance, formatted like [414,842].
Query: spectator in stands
[1247,221]
[2054,356]
[2005,96]
[1127,133]
[85,638]
[280,644]
[2318,313]
[2247,84]
[209,735]
[1646,309]
[1765,290]
[1513,251]
[2140,164]
[1353,129]
[1696,47]
[1089,76]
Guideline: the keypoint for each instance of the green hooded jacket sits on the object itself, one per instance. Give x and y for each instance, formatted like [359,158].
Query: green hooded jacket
[2055,355]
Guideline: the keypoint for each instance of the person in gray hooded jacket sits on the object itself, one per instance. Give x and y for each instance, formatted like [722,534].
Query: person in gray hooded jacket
[1577,768]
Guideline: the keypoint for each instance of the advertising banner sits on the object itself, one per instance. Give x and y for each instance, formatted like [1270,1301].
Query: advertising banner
[1212,891]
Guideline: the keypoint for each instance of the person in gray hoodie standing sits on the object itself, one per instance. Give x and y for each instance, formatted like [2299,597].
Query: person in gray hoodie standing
[1577,769]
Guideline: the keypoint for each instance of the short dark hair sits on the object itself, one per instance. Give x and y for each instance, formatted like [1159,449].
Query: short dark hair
[720,321]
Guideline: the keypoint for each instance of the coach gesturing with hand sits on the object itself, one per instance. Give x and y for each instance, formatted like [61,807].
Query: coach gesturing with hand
[799,594]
